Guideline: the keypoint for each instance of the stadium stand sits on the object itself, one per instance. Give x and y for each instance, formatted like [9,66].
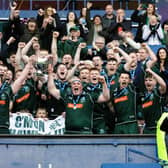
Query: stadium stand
[106,138]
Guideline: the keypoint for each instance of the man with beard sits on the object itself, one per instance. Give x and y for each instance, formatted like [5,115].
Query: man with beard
[57,107]
[124,99]
[78,104]
[109,18]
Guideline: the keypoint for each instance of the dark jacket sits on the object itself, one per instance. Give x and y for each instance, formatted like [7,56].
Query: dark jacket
[27,36]
[41,18]
[112,32]
[106,22]
[12,28]
[91,28]
[46,34]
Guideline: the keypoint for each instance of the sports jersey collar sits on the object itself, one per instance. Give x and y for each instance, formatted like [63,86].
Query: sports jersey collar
[3,86]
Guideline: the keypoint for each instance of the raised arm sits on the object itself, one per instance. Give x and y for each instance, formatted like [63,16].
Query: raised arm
[152,56]
[12,10]
[54,47]
[71,72]
[17,84]
[28,45]
[51,86]
[160,81]
[105,95]
[127,58]
[19,55]
[130,41]
[78,52]
[135,15]
[88,20]
[40,17]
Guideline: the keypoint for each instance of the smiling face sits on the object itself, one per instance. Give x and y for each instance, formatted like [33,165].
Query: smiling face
[97,20]
[62,71]
[76,86]
[150,9]
[162,54]
[71,16]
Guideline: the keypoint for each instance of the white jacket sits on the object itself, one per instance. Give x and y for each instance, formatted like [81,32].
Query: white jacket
[152,39]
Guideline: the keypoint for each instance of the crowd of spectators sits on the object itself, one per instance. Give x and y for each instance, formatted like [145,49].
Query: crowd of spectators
[96,72]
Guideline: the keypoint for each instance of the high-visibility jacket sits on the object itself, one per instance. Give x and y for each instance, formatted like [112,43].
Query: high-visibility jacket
[160,135]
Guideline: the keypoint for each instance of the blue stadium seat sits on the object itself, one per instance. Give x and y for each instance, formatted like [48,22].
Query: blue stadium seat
[156,47]
[130,165]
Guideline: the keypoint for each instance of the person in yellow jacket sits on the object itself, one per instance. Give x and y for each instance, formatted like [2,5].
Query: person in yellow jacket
[162,139]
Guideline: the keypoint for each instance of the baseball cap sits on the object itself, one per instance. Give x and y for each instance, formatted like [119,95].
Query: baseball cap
[74,28]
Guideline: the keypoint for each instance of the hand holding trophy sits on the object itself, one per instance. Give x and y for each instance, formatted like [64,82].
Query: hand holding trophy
[42,63]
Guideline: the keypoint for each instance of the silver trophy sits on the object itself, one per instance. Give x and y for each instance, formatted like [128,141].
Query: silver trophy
[41,66]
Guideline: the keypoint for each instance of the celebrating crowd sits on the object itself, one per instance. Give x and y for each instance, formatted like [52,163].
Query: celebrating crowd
[97,73]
